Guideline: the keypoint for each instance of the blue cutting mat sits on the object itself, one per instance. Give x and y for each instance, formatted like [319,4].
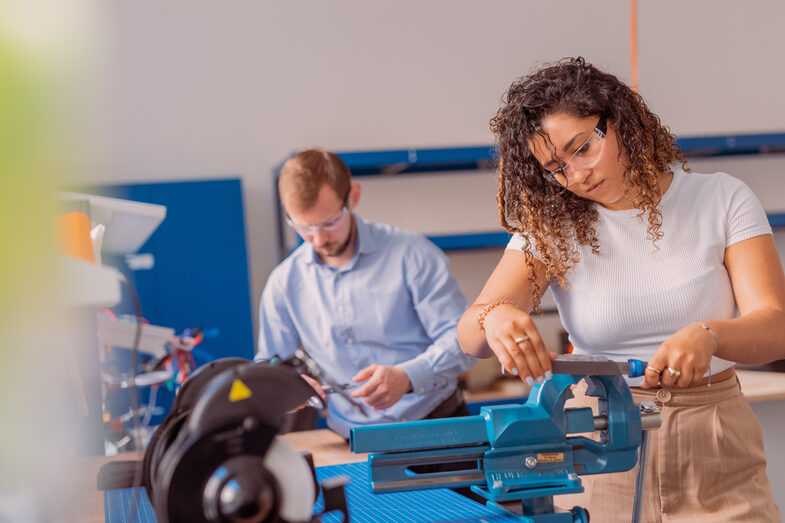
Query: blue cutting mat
[364,506]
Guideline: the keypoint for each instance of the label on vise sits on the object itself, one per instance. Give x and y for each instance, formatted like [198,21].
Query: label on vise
[239,391]
[550,457]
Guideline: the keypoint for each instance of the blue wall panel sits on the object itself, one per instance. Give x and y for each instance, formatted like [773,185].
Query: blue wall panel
[200,277]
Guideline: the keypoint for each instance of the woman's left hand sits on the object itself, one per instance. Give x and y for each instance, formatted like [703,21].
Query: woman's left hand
[682,360]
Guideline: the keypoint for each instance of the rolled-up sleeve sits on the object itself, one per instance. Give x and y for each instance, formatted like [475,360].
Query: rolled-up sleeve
[439,304]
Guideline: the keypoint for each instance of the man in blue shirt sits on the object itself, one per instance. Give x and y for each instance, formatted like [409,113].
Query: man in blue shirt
[372,304]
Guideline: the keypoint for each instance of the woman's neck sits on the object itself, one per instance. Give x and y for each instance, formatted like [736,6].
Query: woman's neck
[664,181]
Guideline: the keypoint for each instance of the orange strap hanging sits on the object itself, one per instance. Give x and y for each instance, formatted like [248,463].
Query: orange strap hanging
[634,45]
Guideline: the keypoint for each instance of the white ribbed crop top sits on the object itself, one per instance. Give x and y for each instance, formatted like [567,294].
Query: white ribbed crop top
[625,301]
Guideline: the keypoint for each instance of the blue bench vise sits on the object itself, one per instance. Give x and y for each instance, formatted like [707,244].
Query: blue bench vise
[519,456]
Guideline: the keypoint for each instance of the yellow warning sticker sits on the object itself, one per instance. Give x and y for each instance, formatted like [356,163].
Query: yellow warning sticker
[240,391]
[550,457]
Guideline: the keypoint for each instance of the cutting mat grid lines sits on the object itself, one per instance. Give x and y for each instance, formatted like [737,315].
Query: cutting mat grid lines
[118,503]
[421,506]
[424,506]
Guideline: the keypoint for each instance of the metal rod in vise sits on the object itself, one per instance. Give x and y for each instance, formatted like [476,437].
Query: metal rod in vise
[596,365]
[649,420]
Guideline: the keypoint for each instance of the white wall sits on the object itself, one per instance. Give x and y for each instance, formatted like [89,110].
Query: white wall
[202,89]
[195,89]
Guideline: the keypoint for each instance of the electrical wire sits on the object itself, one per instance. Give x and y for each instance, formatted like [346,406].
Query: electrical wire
[137,428]
[148,413]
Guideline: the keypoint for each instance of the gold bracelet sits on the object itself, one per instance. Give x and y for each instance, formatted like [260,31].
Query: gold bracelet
[716,343]
[489,307]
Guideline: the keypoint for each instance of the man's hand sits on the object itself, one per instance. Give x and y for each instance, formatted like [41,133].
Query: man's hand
[385,385]
[316,386]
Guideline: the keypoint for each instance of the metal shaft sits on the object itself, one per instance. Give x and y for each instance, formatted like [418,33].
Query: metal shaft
[652,415]
[563,365]
[640,478]
[649,421]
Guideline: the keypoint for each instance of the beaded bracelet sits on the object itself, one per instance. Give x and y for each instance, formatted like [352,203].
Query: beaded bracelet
[716,343]
[489,307]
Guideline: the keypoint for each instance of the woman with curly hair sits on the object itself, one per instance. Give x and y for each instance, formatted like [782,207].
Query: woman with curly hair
[646,260]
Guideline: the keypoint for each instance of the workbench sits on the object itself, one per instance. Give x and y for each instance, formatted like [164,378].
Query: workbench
[766,393]
[764,390]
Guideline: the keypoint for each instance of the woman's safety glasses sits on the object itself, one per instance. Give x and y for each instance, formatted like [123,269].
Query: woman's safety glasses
[585,157]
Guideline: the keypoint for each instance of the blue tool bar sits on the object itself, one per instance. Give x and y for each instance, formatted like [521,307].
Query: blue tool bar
[732,145]
[415,160]
[480,240]
[476,157]
[776,220]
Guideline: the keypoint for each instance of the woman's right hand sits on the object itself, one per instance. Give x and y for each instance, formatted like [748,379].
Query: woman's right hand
[513,337]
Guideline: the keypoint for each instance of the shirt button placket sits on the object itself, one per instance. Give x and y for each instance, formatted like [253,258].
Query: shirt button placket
[336,280]
[339,308]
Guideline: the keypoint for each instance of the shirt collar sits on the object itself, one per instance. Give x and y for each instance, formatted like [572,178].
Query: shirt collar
[365,241]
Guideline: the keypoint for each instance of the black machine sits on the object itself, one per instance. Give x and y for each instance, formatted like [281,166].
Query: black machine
[216,458]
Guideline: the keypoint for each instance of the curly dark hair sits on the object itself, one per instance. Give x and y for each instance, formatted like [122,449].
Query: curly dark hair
[553,220]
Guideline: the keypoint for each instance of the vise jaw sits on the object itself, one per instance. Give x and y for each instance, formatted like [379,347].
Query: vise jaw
[518,452]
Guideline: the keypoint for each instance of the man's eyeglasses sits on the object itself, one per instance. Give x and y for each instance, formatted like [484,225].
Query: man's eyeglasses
[330,224]
[585,157]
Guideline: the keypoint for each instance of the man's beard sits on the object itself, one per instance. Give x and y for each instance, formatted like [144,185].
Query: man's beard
[336,250]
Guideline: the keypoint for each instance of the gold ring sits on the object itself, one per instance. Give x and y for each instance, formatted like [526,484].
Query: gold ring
[520,340]
[654,369]
[673,372]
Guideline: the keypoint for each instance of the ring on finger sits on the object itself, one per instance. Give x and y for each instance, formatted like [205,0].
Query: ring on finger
[520,339]
[654,369]
[673,372]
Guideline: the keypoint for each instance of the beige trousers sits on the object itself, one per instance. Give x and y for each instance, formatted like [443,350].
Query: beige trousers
[705,463]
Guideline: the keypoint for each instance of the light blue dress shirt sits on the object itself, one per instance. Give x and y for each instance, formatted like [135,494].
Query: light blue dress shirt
[394,303]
